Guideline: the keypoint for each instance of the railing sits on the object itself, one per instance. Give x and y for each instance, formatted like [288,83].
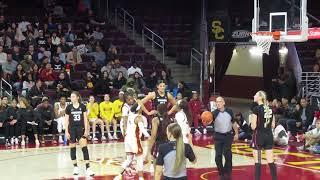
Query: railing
[197,56]
[154,38]
[127,19]
[5,88]
[310,84]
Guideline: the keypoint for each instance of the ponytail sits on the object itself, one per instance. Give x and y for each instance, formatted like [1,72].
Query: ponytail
[176,132]
[185,108]
[267,109]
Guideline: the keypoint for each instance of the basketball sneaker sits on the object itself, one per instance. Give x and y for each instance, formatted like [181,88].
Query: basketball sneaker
[110,136]
[197,132]
[75,171]
[115,136]
[205,131]
[60,139]
[95,138]
[89,172]
[12,141]
[103,138]
[8,142]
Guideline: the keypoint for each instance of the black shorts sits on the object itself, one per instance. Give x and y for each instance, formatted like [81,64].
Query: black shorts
[262,141]
[76,133]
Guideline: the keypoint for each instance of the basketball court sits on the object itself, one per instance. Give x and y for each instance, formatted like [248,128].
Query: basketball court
[53,162]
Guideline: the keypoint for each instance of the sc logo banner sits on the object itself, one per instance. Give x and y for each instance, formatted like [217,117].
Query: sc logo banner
[217,30]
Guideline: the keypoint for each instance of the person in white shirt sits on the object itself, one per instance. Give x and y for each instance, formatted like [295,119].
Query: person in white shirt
[184,118]
[97,35]
[311,137]
[3,56]
[280,134]
[23,25]
[55,39]
[134,68]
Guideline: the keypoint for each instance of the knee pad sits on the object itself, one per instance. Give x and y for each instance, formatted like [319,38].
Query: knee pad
[73,153]
[85,153]
[127,162]
[140,163]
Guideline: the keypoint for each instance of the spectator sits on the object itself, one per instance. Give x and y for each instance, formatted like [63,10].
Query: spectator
[4,120]
[112,54]
[36,93]
[311,137]
[111,71]
[74,57]
[93,118]
[179,97]
[151,81]
[27,63]
[50,47]
[166,78]
[306,113]
[182,88]
[90,81]
[7,41]
[3,56]
[63,86]
[41,40]
[196,106]
[33,54]
[43,54]
[28,120]
[46,31]
[316,68]
[29,40]
[10,33]
[51,26]
[12,128]
[47,75]
[95,70]
[55,39]
[103,84]
[19,37]
[61,54]
[60,32]
[35,71]
[27,84]
[119,68]
[97,35]
[17,77]
[99,56]
[120,81]
[139,81]
[244,129]
[46,120]
[280,135]
[64,46]
[134,68]
[17,56]
[276,105]
[10,66]
[87,32]
[23,24]
[57,64]
[70,36]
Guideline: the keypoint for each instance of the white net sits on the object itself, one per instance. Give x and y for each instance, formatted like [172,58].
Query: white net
[263,42]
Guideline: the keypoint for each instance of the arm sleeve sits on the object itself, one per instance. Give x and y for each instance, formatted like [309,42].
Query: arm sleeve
[143,130]
[189,153]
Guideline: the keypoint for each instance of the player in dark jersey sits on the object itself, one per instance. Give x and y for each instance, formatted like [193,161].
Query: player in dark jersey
[160,96]
[159,129]
[77,130]
[262,123]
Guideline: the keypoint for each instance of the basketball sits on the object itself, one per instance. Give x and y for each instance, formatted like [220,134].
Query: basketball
[276,35]
[206,118]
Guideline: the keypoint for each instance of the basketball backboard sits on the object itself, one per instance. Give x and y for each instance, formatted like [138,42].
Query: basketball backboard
[287,16]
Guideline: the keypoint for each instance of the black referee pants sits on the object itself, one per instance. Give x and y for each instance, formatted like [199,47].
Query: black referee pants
[223,143]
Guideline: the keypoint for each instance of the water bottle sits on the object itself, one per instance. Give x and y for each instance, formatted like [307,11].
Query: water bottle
[64,140]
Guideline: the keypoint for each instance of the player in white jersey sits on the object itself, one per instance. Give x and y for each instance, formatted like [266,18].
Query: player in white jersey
[133,130]
[60,112]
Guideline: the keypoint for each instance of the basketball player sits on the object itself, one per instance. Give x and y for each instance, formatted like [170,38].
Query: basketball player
[132,140]
[60,111]
[184,118]
[160,96]
[117,107]
[77,131]
[93,113]
[159,129]
[262,122]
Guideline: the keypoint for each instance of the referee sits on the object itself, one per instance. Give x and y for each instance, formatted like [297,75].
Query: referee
[223,137]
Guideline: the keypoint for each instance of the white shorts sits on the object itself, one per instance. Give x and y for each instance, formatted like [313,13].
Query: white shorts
[61,124]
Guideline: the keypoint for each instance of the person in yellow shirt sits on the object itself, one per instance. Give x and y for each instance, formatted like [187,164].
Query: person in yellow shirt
[106,113]
[117,106]
[93,117]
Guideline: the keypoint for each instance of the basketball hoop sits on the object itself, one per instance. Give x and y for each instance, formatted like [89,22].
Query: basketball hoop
[264,40]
